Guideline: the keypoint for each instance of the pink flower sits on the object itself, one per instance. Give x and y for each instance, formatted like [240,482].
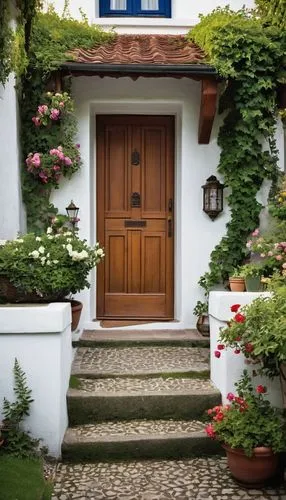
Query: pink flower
[36,160]
[217,354]
[54,152]
[55,113]
[42,109]
[56,168]
[67,161]
[278,257]
[234,308]
[219,417]
[230,396]
[255,232]
[43,177]
[61,155]
[77,145]
[36,121]
[210,431]
[61,104]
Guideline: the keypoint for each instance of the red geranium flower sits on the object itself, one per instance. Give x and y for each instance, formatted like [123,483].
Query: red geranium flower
[261,389]
[235,308]
[248,347]
[219,417]
[236,351]
[210,431]
[230,396]
[217,354]
[239,318]
[220,347]
[237,339]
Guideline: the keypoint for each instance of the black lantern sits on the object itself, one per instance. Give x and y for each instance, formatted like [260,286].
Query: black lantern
[72,211]
[213,197]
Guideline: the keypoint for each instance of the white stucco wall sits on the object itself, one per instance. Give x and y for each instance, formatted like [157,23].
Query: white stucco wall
[184,14]
[11,210]
[39,337]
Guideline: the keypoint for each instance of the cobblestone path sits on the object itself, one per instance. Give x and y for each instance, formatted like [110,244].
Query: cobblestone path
[195,479]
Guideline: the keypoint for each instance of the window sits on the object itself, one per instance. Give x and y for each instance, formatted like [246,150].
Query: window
[144,8]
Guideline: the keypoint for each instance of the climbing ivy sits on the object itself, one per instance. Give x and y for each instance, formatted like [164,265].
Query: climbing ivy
[6,40]
[50,38]
[249,57]
[272,11]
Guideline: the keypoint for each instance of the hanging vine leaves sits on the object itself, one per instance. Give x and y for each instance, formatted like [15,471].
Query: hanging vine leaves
[251,70]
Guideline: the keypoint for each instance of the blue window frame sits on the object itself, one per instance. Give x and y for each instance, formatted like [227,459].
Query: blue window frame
[143,8]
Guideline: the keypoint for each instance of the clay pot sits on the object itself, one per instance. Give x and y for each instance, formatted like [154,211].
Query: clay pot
[203,325]
[254,471]
[237,284]
[76,308]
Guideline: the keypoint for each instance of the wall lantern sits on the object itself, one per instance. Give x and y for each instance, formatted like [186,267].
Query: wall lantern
[213,197]
[72,211]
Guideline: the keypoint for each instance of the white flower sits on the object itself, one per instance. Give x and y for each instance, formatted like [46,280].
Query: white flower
[35,254]
[2,242]
[50,237]
[41,249]
[69,240]
[16,249]
[55,261]
[69,248]
[43,259]
[20,240]
[68,233]
[38,238]
[48,262]
[48,254]
[99,252]
[49,230]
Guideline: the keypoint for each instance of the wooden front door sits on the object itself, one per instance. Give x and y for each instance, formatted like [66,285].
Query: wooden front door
[135,219]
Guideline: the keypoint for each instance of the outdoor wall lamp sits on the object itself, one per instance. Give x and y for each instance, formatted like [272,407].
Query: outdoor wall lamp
[213,197]
[72,211]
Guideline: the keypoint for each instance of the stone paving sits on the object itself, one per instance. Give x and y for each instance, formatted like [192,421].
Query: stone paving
[156,384]
[196,479]
[137,427]
[140,360]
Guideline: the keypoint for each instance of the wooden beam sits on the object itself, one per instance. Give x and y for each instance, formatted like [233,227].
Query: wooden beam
[208,109]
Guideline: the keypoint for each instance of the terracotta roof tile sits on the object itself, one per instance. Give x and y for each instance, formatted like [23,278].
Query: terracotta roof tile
[142,49]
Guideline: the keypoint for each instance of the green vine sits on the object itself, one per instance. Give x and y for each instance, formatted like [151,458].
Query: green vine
[50,39]
[272,11]
[6,41]
[251,69]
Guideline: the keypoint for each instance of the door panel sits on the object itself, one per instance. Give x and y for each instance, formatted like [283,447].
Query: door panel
[135,170]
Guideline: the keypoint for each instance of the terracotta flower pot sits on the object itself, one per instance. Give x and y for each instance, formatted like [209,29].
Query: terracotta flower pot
[203,325]
[237,284]
[254,471]
[76,308]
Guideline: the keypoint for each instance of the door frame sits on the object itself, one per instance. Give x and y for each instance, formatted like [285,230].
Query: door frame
[100,219]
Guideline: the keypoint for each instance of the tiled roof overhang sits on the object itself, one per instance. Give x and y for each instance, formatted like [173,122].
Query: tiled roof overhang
[144,55]
[152,56]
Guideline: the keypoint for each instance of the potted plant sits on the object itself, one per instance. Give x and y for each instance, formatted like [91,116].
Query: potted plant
[236,281]
[251,432]
[252,273]
[46,268]
[201,311]
[258,330]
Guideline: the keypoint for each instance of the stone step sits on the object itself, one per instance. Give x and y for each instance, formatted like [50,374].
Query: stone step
[130,398]
[93,362]
[106,338]
[140,439]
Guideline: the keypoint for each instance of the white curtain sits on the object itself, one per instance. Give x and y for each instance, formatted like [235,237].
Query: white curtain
[118,4]
[150,4]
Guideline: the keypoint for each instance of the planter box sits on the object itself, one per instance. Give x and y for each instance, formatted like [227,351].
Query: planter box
[227,369]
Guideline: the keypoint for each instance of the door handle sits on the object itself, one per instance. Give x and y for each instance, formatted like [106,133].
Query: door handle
[170,227]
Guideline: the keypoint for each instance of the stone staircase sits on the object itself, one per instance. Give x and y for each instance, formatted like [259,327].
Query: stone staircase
[139,395]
